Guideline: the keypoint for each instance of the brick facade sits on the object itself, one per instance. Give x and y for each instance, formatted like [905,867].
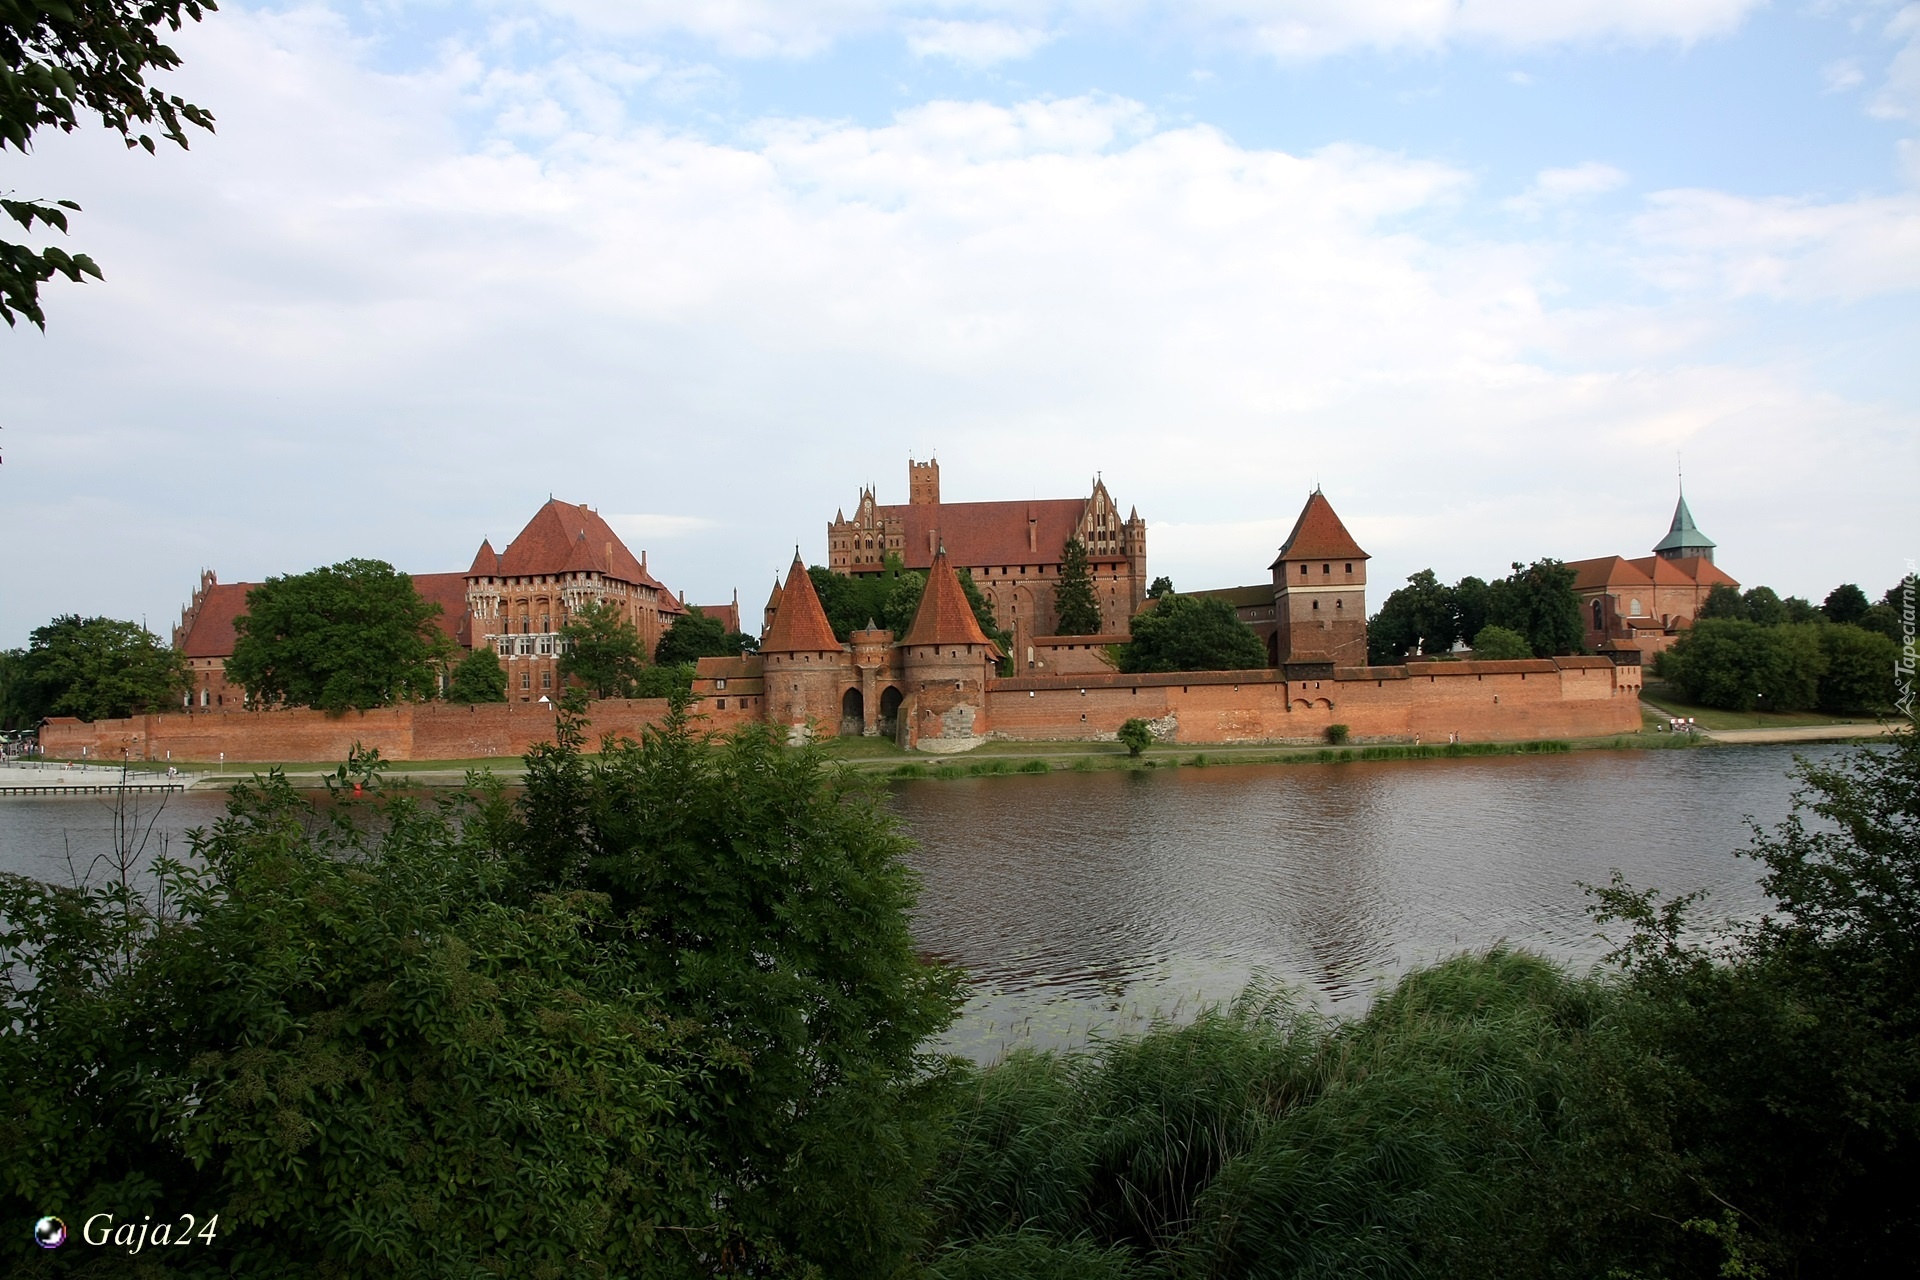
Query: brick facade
[1013,550]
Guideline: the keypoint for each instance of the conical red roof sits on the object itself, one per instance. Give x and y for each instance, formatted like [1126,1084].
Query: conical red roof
[801,624]
[945,617]
[1318,534]
[486,563]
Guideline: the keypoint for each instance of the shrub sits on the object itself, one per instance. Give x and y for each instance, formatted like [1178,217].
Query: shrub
[1499,644]
[1135,735]
[1337,734]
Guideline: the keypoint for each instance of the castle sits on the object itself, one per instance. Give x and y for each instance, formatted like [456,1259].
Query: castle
[938,688]
[1012,550]
[514,602]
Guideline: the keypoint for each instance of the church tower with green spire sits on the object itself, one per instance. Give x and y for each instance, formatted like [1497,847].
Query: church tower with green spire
[1684,540]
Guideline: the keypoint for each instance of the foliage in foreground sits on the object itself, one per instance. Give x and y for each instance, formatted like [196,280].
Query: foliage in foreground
[659,1017]
[1741,1108]
[57,62]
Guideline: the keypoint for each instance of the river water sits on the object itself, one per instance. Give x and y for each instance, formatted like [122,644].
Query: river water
[1084,903]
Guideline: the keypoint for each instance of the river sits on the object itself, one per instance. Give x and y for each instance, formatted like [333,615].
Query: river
[1083,903]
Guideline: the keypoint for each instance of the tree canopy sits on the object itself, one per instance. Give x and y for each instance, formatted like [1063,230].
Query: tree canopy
[890,599]
[60,60]
[1076,605]
[1191,633]
[602,650]
[1845,603]
[1498,644]
[661,1011]
[91,668]
[351,635]
[1539,602]
[478,677]
[1422,613]
[697,636]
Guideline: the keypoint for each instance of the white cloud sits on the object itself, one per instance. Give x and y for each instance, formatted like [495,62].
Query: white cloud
[974,44]
[343,326]
[1551,187]
[1287,29]
[1779,247]
[1841,75]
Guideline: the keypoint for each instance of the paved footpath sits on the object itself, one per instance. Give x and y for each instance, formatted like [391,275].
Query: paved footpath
[1801,733]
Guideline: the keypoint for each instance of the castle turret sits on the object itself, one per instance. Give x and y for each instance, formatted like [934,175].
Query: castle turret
[807,670]
[947,660]
[1320,593]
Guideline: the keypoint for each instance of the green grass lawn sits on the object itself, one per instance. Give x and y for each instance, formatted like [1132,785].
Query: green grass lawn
[1667,703]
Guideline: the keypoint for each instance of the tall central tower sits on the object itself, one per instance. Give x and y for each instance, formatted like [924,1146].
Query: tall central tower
[923,483]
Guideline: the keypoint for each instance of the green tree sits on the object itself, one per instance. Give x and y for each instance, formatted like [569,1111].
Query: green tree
[1764,607]
[1788,1049]
[1845,603]
[1883,620]
[1076,606]
[697,636]
[1498,644]
[478,677]
[1858,675]
[1470,604]
[95,669]
[1135,735]
[351,635]
[602,650]
[1538,601]
[59,61]
[1191,633]
[851,602]
[664,680]
[1724,601]
[1161,586]
[1420,613]
[19,704]
[1741,666]
[1799,610]
[765,896]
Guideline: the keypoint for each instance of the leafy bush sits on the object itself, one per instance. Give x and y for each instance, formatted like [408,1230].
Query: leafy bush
[1337,734]
[1499,644]
[1136,735]
[661,1016]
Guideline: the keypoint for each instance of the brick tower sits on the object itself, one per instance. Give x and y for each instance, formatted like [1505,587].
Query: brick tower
[1319,594]
[946,660]
[807,669]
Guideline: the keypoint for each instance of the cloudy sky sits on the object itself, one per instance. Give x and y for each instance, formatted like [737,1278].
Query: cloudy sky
[1480,268]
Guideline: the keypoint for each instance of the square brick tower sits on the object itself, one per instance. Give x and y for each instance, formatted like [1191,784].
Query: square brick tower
[1320,594]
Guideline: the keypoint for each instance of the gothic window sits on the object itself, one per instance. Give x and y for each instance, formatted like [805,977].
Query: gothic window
[526,679]
[1599,617]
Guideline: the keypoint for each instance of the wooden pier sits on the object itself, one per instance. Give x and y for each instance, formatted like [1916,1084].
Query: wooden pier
[87,788]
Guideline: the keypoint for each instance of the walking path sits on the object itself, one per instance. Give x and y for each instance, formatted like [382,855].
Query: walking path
[1801,733]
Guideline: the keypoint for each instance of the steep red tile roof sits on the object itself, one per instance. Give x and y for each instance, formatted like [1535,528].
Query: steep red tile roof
[944,616]
[1318,534]
[801,624]
[212,633]
[486,561]
[1607,571]
[984,533]
[729,614]
[449,591]
[1696,569]
[565,538]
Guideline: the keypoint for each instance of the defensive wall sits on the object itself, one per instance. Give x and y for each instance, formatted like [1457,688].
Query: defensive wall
[419,731]
[1574,697]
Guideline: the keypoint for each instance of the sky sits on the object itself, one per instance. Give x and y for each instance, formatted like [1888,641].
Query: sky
[1491,273]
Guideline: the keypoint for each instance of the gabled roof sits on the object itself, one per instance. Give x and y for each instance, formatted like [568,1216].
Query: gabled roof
[565,538]
[729,614]
[944,616]
[212,633]
[1687,569]
[449,591]
[984,533]
[801,624]
[1684,535]
[1318,535]
[1608,571]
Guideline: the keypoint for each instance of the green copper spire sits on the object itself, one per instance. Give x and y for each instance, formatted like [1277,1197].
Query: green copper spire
[1684,539]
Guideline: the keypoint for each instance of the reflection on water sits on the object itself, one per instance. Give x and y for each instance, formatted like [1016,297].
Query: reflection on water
[1087,901]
